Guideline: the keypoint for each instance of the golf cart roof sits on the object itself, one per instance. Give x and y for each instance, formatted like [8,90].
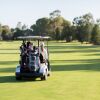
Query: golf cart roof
[34,37]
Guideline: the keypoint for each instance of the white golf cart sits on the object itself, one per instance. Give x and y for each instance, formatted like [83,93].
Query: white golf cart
[30,64]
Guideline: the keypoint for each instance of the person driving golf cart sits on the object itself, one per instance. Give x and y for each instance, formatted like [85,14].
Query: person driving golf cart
[43,53]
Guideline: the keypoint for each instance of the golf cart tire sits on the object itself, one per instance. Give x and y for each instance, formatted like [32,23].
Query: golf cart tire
[44,78]
[18,78]
[34,79]
[49,74]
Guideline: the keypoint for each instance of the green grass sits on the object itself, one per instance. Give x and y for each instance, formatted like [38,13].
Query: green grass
[75,74]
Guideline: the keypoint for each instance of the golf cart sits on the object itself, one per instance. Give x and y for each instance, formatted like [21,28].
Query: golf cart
[32,63]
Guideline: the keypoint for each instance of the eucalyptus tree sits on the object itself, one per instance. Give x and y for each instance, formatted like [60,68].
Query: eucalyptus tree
[56,21]
[41,27]
[0,32]
[66,32]
[6,32]
[84,26]
[96,33]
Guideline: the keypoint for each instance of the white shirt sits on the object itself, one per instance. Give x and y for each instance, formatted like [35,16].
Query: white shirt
[44,53]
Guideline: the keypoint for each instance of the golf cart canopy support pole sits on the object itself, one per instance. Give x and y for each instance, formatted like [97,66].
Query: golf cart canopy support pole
[38,43]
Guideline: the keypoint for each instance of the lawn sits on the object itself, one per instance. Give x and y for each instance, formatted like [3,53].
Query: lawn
[75,73]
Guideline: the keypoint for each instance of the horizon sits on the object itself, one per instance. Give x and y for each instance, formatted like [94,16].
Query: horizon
[28,11]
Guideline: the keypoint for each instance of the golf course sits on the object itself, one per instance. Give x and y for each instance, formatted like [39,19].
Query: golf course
[75,73]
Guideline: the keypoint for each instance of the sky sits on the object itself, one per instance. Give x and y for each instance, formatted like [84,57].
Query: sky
[28,11]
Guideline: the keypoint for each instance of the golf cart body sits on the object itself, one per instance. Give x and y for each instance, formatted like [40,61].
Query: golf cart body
[31,65]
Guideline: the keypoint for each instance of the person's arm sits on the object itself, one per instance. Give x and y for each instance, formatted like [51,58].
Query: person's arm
[46,54]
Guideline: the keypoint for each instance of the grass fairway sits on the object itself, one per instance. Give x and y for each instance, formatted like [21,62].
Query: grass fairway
[75,74]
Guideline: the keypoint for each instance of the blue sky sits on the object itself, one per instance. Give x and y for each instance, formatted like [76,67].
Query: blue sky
[28,11]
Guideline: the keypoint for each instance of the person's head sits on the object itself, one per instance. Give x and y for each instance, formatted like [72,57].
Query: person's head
[31,44]
[42,45]
[34,48]
[28,43]
[24,45]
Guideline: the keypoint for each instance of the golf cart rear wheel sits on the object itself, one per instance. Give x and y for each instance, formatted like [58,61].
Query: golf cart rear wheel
[44,77]
[49,74]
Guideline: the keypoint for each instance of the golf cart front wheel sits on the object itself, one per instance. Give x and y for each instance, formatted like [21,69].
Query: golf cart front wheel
[18,78]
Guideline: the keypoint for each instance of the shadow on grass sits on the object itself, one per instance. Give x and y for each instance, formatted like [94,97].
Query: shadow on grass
[8,62]
[81,60]
[73,47]
[7,70]
[8,53]
[95,54]
[8,49]
[87,65]
[75,51]
[12,79]
[84,64]
[7,79]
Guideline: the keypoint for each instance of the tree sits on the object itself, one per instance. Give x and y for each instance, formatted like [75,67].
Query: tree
[73,31]
[84,26]
[0,32]
[34,29]
[95,39]
[19,25]
[41,27]
[54,14]
[6,32]
[89,23]
[56,22]
[58,34]
[24,27]
[21,30]
[17,33]
[66,32]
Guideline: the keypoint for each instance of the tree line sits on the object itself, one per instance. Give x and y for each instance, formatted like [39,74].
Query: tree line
[83,28]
